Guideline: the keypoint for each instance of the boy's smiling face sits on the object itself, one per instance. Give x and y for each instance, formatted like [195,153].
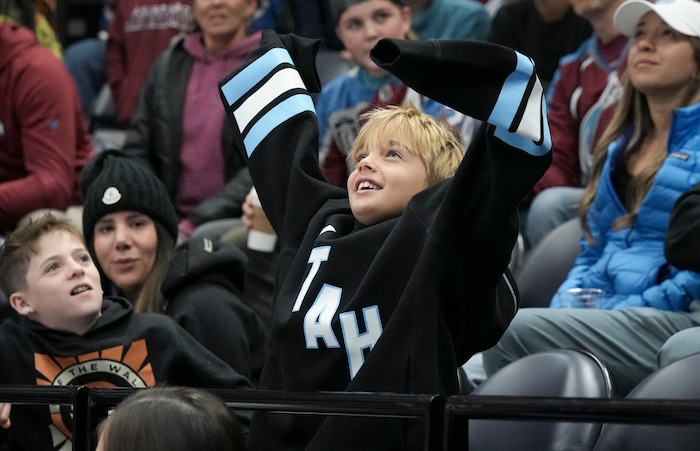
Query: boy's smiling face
[63,285]
[386,176]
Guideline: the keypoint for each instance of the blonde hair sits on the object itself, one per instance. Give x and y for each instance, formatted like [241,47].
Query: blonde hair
[435,142]
[632,111]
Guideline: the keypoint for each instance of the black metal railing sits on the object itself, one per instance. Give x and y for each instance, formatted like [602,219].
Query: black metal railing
[438,413]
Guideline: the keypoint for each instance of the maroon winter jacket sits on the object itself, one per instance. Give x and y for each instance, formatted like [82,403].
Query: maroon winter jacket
[140,30]
[44,141]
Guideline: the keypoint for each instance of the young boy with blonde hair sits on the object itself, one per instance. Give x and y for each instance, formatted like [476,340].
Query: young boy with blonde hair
[69,334]
[391,284]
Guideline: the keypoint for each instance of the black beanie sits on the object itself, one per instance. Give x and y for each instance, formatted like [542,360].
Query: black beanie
[113,182]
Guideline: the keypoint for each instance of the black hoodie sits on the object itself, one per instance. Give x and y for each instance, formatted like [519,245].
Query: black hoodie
[203,292]
[122,349]
[396,306]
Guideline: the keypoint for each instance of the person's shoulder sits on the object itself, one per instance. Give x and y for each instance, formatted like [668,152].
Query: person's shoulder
[512,9]
[11,329]
[206,299]
[175,51]
[581,54]
[573,62]
[338,92]
[153,324]
[203,260]
[342,81]
[461,7]
[27,55]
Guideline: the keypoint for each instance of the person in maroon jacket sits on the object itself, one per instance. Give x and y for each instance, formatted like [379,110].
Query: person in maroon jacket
[139,31]
[44,141]
[580,102]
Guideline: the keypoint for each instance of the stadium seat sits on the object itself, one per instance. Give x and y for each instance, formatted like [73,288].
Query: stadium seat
[678,380]
[546,265]
[557,373]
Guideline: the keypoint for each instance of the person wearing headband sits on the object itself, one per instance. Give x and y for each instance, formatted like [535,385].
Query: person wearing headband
[647,158]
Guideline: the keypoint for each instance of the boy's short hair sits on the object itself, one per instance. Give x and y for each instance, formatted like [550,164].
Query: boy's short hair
[19,246]
[337,7]
[436,142]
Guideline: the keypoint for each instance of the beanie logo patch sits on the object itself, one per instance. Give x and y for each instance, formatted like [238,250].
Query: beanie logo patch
[111,196]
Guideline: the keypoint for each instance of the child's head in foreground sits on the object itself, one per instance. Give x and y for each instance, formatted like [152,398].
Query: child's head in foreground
[49,277]
[398,152]
[171,419]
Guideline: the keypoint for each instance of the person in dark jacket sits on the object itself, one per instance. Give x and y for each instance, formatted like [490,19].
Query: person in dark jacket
[130,226]
[70,334]
[682,249]
[178,128]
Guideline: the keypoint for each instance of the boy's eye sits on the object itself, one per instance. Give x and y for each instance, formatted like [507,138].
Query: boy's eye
[392,153]
[360,157]
[52,267]
[381,16]
[85,258]
[353,24]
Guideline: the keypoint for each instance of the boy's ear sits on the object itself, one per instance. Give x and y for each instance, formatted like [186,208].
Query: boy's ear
[21,304]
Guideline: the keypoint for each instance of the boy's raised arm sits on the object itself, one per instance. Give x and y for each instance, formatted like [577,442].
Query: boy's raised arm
[273,119]
[486,81]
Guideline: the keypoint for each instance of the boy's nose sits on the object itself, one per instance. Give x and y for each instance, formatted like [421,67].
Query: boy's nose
[77,269]
[371,30]
[365,165]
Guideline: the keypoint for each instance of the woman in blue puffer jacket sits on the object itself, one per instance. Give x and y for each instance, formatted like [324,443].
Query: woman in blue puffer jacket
[648,156]
[626,212]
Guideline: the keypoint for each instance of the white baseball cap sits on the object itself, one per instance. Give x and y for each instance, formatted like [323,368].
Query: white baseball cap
[681,15]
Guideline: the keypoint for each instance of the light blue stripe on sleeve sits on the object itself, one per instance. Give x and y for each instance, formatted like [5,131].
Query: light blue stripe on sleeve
[279,113]
[525,143]
[512,93]
[239,85]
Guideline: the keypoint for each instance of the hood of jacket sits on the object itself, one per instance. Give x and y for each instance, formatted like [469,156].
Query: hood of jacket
[114,309]
[204,259]
[14,41]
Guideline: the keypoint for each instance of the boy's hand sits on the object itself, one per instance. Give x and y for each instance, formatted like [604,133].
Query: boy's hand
[5,415]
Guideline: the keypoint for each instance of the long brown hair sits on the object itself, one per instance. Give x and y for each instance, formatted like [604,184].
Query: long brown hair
[632,111]
[149,298]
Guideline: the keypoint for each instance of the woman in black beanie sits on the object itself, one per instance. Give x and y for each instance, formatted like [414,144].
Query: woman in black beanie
[130,228]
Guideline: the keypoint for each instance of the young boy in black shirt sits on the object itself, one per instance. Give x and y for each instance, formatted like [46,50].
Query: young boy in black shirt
[71,335]
[390,284]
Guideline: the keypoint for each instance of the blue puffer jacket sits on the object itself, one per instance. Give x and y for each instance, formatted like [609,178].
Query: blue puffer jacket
[629,264]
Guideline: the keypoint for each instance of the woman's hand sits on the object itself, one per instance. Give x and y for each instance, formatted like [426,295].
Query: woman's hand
[248,212]
[5,415]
